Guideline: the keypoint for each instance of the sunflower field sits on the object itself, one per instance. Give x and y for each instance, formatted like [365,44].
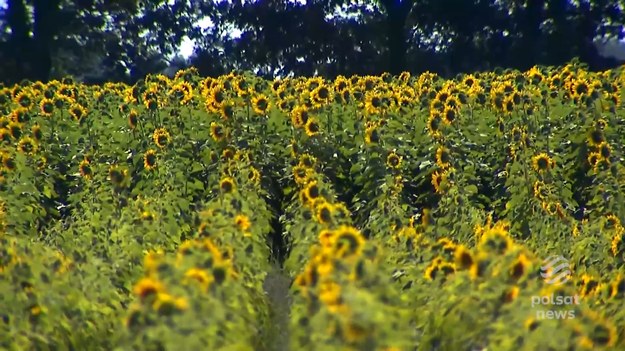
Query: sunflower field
[360,213]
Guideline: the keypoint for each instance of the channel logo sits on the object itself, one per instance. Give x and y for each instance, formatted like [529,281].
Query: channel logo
[555,270]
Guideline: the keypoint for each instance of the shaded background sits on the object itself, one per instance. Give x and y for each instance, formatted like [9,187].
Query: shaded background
[123,40]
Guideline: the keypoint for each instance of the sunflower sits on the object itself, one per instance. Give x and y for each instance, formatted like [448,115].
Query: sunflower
[299,116]
[323,212]
[161,137]
[450,114]
[182,92]
[15,129]
[117,175]
[605,150]
[242,222]
[24,99]
[463,257]
[166,304]
[147,287]
[495,240]
[443,157]
[227,185]
[593,159]
[611,222]
[373,103]
[311,127]
[301,174]
[20,115]
[595,137]
[254,175]
[312,190]
[78,112]
[348,241]
[307,160]
[436,181]
[217,132]
[85,169]
[261,104]
[434,125]
[542,162]
[27,145]
[372,135]
[226,110]
[540,190]
[520,267]
[149,159]
[5,135]
[617,287]
[510,294]
[322,95]
[132,118]
[202,277]
[393,160]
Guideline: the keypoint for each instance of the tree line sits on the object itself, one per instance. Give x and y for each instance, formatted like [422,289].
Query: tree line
[126,39]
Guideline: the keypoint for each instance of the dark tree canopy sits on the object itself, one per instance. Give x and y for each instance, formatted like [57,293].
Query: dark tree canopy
[126,39]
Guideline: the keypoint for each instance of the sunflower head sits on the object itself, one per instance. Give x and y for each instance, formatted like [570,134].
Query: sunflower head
[118,175]
[149,159]
[133,118]
[312,127]
[242,222]
[323,212]
[348,241]
[227,185]
[161,137]
[443,157]
[542,162]
[27,145]
[217,131]
[85,169]
[261,104]
[393,161]
[78,112]
[147,287]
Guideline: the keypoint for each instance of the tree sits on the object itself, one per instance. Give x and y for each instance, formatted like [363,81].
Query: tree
[120,36]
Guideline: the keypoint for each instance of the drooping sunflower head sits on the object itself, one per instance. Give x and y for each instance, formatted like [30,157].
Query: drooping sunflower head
[149,159]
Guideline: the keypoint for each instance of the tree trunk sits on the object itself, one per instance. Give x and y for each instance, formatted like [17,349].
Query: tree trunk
[396,15]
